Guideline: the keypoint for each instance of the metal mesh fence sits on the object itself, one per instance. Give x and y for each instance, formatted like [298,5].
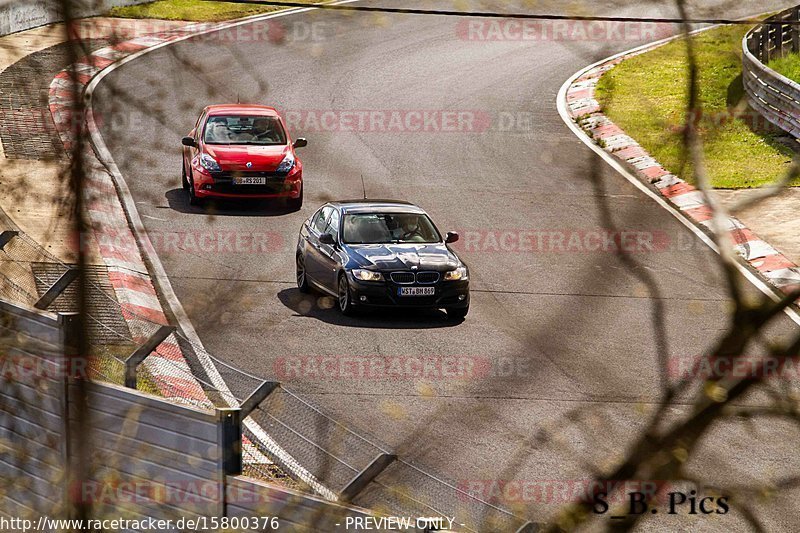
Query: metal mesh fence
[284,435]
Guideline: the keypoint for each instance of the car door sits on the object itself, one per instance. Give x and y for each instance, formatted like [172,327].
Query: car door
[328,254]
[314,259]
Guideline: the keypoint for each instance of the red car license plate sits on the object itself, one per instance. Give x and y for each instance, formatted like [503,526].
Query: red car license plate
[249,180]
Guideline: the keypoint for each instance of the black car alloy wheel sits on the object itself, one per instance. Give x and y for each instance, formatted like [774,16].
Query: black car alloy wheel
[302,282]
[345,303]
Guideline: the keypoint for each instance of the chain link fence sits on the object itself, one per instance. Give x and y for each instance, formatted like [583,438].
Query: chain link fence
[283,434]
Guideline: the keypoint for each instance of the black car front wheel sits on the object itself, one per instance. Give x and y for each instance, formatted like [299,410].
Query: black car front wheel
[345,299]
[302,282]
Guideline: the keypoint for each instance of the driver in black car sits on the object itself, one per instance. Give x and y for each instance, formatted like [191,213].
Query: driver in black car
[406,228]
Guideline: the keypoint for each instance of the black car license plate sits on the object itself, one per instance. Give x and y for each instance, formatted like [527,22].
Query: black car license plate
[416,291]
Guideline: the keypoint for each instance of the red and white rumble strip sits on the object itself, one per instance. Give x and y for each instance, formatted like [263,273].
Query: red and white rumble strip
[127,270]
[585,111]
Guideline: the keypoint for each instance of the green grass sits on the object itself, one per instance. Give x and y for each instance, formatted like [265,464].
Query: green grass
[107,360]
[193,10]
[647,95]
[788,65]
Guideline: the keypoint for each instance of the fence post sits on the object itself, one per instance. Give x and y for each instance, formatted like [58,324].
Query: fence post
[135,359]
[365,477]
[258,396]
[70,341]
[70,275]
[229,450]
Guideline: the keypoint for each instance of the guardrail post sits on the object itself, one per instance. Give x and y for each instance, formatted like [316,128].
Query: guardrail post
[795,30]
[780,34]
[135,359]
[764,48]
[229,439]
[6,237]
[70,326]
[229,451]
[258,396]
[57,288]
[70,340]
[365,477]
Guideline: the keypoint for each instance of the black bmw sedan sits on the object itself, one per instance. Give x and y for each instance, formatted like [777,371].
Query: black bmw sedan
[382,253]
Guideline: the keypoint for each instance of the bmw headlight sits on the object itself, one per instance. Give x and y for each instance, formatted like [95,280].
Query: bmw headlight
[287,164]
[458,274]
[209,163]
[367,275]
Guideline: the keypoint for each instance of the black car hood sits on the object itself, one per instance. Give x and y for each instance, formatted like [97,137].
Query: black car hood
[404,256]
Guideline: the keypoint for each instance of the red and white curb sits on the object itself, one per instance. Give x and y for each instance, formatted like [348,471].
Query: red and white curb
[128,273]
[114,219]
[585,110]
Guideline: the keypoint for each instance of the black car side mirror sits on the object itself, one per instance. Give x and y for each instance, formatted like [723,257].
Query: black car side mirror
[299,143]
[189,141]
[451,236]
[327,238]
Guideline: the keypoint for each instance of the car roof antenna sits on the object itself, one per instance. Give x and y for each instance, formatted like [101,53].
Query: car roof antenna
[363,187]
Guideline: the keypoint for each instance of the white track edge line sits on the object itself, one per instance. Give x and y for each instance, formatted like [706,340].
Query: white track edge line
[561,104]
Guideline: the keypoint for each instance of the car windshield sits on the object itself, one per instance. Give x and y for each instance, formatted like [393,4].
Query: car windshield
[255,130]
[381,228]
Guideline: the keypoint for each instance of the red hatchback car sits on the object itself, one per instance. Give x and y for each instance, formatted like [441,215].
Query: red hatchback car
[242,151]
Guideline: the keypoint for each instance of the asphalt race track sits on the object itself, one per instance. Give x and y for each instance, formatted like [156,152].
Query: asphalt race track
[551,330]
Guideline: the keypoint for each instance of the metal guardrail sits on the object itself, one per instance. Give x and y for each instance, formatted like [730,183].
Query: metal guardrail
[774,96]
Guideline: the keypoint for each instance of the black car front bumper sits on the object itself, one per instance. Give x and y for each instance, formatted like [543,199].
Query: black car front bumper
[447,294]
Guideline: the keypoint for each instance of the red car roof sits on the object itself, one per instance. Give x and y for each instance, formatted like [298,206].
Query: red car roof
[241,109]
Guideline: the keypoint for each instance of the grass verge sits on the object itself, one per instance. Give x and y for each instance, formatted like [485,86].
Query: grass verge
[646,96]
[192,10]
[106,361]
[789,66]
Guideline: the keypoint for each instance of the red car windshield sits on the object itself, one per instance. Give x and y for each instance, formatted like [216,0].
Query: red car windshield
[384,228]
[244,130]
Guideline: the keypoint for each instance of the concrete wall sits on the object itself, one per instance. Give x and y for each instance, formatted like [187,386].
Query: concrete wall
[148,457]
[31,408]
[19,15]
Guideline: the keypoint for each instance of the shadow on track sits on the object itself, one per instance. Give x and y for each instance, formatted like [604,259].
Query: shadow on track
[322,307]
[179,201]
